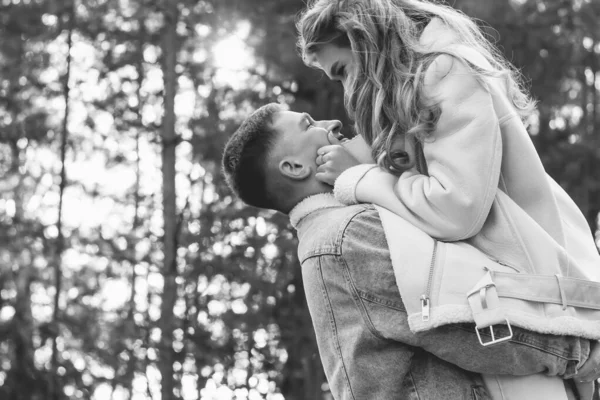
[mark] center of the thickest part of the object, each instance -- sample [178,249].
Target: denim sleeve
[358,365]
[371,279]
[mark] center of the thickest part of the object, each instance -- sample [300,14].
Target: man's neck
[311,204]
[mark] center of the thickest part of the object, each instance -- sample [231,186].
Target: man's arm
[369,272]
[358,364]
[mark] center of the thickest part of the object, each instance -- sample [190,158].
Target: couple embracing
[439,260]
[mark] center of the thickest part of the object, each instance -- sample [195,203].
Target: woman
[443,113]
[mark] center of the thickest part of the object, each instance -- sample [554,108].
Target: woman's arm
[463,158]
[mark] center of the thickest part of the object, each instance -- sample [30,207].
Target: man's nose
[335,127]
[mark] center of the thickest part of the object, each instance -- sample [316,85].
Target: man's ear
[294,169]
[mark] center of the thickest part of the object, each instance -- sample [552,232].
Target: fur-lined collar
[312,204]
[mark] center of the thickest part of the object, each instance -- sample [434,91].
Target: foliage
[239,326]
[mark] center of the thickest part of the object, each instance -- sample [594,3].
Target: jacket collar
[312,204]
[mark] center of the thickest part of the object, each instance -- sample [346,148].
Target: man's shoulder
[329,230]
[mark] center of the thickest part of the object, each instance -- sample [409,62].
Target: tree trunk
[594,90]
[23,366]
[131,366]
[56,387]
[169,142]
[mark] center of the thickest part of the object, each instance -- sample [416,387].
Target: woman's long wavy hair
[383,93]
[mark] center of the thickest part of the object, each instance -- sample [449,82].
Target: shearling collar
[312,204]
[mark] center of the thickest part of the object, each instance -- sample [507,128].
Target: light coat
[486,186]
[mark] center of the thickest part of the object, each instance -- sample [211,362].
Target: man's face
[301,137]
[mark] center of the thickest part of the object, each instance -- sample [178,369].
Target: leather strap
[553,289]
[548,289]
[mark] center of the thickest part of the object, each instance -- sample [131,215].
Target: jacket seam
[414,385]
[334,329]
[376,300]
[503,186]
[507,117]
[336,249]
[490,188]
[365,315]
[516,235]
[355,291]
[342,231]
[320,252]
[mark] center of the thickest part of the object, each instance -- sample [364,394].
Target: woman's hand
[332,161]
[590,371]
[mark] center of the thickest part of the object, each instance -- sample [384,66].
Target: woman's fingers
[324,175]
[329,149]
[590,370]
[319,160]
[331,161]
[323,151]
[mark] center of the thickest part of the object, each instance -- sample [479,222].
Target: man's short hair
[246,158]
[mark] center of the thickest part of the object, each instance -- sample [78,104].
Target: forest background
[127,270]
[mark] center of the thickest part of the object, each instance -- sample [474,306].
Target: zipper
[425,298]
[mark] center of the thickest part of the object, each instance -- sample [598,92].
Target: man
[366,346]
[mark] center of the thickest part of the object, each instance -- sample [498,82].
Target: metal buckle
[494,340]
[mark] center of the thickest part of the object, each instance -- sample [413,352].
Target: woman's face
[337,62]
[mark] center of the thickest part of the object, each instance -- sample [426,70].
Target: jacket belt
[484,298]
[548,289]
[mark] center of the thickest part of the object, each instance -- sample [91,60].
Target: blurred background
[127,270]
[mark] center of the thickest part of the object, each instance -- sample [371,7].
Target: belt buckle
[494,339]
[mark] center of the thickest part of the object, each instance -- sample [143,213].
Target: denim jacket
[365,344]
